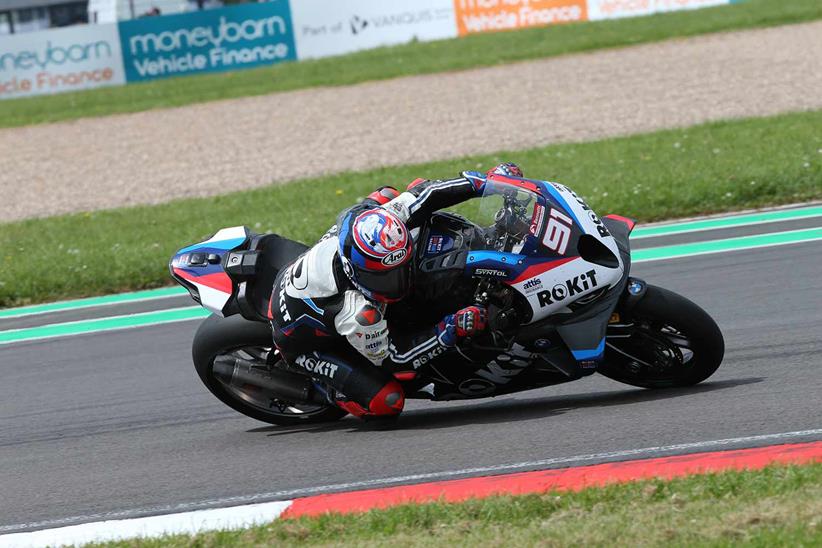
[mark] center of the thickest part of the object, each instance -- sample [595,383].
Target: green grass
[416,58]
[704,169]
[777,506]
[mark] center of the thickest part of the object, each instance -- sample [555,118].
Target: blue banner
[231,38]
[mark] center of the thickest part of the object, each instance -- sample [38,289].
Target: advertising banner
[58,60]
[612,9]
[492,15]
[324,28]
[232,38]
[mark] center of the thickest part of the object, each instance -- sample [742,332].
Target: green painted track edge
[730,244]
[639,233]
[98,325]
[191,313]
[117,298]
[748,219]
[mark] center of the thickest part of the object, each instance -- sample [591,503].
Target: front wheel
[673,342]
[235,338]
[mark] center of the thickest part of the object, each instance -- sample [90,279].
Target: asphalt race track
[118,425]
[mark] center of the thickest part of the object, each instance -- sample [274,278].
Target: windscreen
[510,215]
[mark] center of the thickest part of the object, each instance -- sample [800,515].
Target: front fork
[620,325]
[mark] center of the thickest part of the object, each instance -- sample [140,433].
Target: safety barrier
[251,35]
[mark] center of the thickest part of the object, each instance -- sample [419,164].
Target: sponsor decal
[395,257]
[588,364]
[557,232]
[286,317]
[435,244]
[376,334]
[603,232]
[59,60]
[439,243]
[231,38]
[324,28]
[317,366]
[536,219]
[494,15]
[399,208]
[611,9]
[491,272]
[569,288]
[428,356]
[532,286]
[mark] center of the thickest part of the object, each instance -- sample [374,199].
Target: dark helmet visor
[390,285]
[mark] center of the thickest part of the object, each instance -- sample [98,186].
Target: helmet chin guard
[376,251]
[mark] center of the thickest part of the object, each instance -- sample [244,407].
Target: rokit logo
[317,366]
[569,288]
[428,356]
[603,232]
[286,317]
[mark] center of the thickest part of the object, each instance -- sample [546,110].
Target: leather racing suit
[324,325]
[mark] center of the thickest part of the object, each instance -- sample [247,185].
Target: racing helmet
[509,169]
[375,250]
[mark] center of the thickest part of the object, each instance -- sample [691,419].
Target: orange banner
[491,15]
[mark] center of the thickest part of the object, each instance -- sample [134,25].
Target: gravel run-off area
[218,147]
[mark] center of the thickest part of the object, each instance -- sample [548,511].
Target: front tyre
[673,343]
[234,338]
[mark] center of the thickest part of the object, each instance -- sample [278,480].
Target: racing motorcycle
[554,277]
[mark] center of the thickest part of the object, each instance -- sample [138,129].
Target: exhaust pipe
[288,386]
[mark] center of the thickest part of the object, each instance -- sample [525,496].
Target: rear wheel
[235,338]
[673,343]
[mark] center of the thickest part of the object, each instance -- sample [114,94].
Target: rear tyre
[236,337]
[674,343]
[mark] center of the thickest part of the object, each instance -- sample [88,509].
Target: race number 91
[557,232]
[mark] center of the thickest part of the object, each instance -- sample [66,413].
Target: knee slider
[390,400]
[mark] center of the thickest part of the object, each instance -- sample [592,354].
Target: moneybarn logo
[59,60]
[54,55]
[214,40]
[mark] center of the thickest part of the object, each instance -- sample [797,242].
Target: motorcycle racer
[328,306]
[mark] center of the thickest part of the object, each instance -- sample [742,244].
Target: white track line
[249,510]
[172,524]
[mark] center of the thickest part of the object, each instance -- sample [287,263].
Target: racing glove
[464,323]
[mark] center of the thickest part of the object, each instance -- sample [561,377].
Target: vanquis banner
[237,37]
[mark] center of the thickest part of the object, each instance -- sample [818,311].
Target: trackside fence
[252,35]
